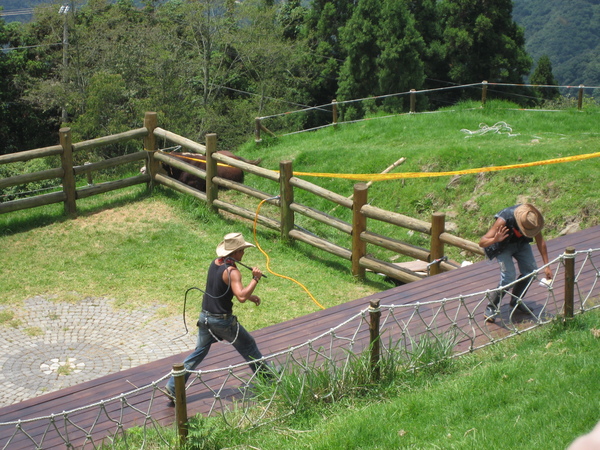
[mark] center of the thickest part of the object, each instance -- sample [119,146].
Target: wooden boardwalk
[274,339]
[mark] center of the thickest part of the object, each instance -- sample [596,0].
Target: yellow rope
[404,175]
[269,259]
[397,176]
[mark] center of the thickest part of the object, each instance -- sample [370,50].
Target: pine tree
[483,42]
[324,21]
[383,52]
[543,75]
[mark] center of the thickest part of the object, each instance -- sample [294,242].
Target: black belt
[217,316]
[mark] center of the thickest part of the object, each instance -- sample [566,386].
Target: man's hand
[501,233]
[257,273]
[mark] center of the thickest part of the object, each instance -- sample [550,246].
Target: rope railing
[405,331]
[331,109]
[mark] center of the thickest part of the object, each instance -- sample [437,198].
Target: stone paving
[50,345]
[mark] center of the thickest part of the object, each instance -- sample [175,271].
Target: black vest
[218,296]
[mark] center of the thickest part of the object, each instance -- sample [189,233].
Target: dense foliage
[214,65]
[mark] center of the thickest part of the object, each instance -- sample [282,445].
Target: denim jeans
[229,330]
[522,253]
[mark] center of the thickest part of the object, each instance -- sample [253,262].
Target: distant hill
[568,32]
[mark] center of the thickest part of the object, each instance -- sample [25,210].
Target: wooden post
[212,190]
[88,174]
[569,282]
[580,98]
[438,225]
[359,224]
[484,93]
[180,403]
[286,193]
[257,127]
[413,100]
[68,180]
[150,123]
[335,112]
[375,339]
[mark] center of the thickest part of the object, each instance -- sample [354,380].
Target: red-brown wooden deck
[474,278]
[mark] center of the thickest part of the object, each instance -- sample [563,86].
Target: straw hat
[529,220]
[231,243]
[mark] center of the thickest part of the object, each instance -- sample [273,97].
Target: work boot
[490,313]
[492,310]
[518,292]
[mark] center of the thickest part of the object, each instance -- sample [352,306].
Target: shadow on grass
[27,220]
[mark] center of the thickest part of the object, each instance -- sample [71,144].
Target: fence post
[180,403]
[374,316]
[150,123]
[484,93]
[569,282]
[257,127]
[580,98]
[335,112]
[359,224]
[286,195]
[88,174]
[68,180]
[438,225]
[212,190]
[413,100]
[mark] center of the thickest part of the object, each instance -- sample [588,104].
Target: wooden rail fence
[358,232]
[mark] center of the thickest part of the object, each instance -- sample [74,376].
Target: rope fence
[403,334]
[330,112]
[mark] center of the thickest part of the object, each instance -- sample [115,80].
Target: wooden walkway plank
[475,278]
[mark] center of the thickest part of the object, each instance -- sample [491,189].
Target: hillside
[568,32]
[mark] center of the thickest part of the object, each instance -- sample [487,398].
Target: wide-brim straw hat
[529,220]
[231,243]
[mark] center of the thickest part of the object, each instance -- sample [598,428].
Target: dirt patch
[128,216]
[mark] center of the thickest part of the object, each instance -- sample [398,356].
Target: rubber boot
[519,290]
[492,309]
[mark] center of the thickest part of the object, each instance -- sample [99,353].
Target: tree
[542,75]
[383,51]
[323,24]
[482,42]
[23,125]
[427,23]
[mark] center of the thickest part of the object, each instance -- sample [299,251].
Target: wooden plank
[110,140]
[30,154]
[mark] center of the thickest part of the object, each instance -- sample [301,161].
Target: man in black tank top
[510,237]
[217,322]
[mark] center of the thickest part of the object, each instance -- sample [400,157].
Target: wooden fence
[287,183]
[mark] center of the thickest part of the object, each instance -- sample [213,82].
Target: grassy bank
[566,193]
[141,249]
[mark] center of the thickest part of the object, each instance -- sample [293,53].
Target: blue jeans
[213,329]
[522,253]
